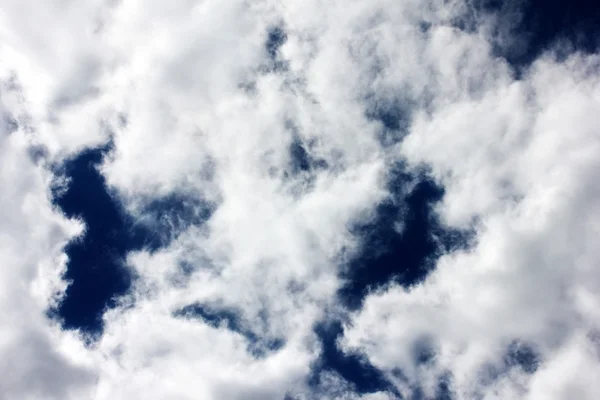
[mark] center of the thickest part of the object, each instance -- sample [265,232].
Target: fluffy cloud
[284,120]
[518,166]
[36,355]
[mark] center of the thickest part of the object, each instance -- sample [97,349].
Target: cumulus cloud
[280,125]
[36,356]
[517,164]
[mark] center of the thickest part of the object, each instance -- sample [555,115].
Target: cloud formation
[253,138]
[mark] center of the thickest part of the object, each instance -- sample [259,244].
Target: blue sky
[299,200]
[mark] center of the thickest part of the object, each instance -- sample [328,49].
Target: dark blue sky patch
[443,390]
[300,161]
[401,243]
[522,356]
[303,168]
[273,63]
[216,318]
[303,164]
[96,269]
[276,37]
[518,355]
[220,317]
[393,115]
[170,215]
[353,368]
[527,28]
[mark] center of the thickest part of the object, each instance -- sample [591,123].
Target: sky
[299,200]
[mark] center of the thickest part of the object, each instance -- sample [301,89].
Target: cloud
[521,170]
[253,138]
[36,355]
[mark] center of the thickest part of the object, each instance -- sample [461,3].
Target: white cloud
[182,92]
[36,355]
[520,162]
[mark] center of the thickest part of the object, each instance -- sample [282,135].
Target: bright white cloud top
[195,105]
